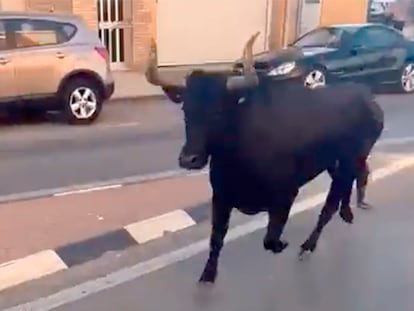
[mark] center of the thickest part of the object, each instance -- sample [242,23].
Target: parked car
[370,53]
[53,61]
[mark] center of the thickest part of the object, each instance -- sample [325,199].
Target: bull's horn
[250,76]
[152,73]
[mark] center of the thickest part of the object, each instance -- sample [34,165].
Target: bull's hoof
[209,275]
[306,249]
[275,247]
[364,205]
[346,214]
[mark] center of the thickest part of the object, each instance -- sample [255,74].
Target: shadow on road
[29,117]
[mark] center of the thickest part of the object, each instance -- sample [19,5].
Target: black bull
[264,143]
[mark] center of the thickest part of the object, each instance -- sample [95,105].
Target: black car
[370,53]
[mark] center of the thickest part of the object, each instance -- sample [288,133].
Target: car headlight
[283,69]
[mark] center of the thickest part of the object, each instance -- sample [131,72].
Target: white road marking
[155,227]
[100,184]
[395,141]
[30,268]
[115,125]
[87,190]
[128,274]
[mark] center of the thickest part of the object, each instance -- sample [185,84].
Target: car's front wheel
[407,78]
[315,78]
[82,101]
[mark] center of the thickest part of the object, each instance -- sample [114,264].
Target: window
[3,41]
[322,37]
[377,37]
[30,33]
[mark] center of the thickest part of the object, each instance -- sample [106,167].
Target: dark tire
[403,84]
[84,94]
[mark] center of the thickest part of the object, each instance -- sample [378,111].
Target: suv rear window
[36,32]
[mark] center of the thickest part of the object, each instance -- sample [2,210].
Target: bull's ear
[174,93]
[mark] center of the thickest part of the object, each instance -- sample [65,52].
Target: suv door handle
[60,55]
[4,61]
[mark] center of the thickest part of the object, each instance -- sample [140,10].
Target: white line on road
[112,125]
[136,179]
[395,141]
[128,274]
[87,190]
[30,268]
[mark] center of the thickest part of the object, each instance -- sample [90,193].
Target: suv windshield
[322,37]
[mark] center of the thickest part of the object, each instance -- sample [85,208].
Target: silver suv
[54,62]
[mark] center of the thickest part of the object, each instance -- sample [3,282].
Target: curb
[47,262]
[143,98]
[96,186]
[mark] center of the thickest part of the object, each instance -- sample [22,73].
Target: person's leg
[362,183]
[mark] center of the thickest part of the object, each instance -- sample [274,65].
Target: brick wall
[144,27]
[58,6]
[87,9]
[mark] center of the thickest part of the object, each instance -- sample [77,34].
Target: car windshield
[322,37]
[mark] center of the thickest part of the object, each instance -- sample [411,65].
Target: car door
[382,50]
[389,48]
[41,62]
[7,73]
[349,63]
[357,56]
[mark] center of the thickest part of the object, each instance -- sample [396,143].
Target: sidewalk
[133,84]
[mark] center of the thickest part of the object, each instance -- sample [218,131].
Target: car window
[377,37]
[31,33]
[321,37]
[3,41]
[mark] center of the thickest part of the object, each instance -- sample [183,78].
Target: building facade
[190,32]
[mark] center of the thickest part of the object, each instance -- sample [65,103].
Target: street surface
[130,139]
[365,266]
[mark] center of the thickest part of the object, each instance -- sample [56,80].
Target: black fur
[266,142]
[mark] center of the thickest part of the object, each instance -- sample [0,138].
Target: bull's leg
[345,210]
[278,216]
[341,183]
[220,225]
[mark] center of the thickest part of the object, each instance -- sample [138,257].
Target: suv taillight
[102,51]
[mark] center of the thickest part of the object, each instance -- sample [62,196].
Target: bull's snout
[192,161]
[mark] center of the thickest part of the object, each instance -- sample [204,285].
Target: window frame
[399,38]
[11,22]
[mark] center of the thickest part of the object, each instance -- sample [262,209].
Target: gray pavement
[130,139]
[363,267]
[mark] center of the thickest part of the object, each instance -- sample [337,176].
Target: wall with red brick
[87,9]
[144,27]
[58,6]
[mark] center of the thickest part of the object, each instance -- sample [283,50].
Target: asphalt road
[130,139]
[366,266]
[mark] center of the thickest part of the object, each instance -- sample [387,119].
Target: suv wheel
[82,101]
